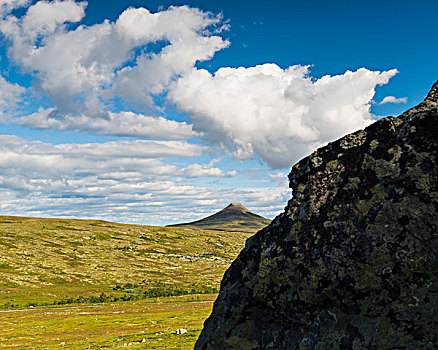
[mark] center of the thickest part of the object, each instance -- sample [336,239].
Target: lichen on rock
[352,263]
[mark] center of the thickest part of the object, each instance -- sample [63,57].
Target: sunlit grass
[145,324]
[80,263]
[44,261]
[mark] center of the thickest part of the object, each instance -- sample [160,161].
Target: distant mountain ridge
[234,217]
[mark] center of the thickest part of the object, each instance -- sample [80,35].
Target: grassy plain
[54,273]
[144,324]
[45,261]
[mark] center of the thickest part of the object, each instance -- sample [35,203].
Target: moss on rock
[352,262]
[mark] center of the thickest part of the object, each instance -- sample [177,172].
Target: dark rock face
[352,262]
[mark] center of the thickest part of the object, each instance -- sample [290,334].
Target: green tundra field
[95,284]
[143,324]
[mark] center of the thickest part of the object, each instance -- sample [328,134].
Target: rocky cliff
[352,262]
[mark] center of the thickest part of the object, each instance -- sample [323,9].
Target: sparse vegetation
[48,261]
[72,275]
[144,324]
[130,292]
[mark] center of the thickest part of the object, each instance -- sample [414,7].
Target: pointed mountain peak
[236,207]
[234,217]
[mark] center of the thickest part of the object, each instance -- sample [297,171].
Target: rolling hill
[44,261]
[234,218]
[88,283]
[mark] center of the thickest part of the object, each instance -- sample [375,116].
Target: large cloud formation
[84,69]
[281,115]
[117,124]
[115,180]
[136,80]
[109,76]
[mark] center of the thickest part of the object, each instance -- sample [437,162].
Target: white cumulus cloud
[83,70]
[128,181]
[117,124]
[393,99]
[10,97]
[36,164]
[206,170]
[279,115]
[6,6]
[89,73]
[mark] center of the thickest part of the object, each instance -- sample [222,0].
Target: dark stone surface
[352,262]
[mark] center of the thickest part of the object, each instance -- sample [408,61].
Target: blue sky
[159,112]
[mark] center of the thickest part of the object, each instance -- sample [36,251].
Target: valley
[81,284]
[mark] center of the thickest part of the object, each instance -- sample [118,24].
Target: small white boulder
[181,331]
